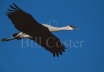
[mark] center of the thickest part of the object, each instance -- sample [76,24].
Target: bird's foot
[5,39]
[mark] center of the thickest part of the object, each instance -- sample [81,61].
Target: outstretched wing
[27,24]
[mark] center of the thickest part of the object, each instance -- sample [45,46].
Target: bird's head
[70,27]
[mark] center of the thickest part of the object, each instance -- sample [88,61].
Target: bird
[32,29]
[20,35]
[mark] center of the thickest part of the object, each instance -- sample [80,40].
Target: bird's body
[50,28]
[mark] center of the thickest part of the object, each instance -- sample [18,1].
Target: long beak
[75,28]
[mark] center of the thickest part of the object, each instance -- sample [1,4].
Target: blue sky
[88,15]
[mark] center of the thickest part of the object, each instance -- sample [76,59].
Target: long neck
[54,29]
[59,29]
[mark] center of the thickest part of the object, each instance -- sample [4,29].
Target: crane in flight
[30,28]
